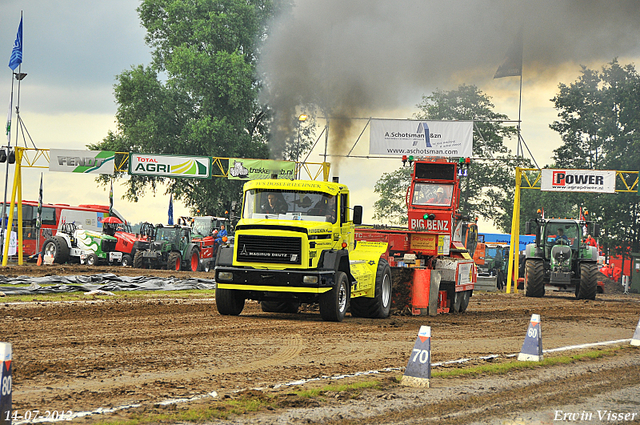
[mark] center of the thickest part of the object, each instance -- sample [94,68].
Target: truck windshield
[432,194]
[289,205]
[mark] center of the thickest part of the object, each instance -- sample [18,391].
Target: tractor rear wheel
[229,302]
[534,278]
[57,247]
[174,261]
[588,282]
[378,307]
[138,260]
[333,304]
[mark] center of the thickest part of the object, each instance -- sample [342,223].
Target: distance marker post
[532,347]
[5,383]
[418,371]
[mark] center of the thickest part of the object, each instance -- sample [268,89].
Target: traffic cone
[39,259]
[532,347]
[636,336]
[5,380]
[418,370]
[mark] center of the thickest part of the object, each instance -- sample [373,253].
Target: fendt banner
[421,138]
[253,169]
[76,161]
[601,181]
[195,167]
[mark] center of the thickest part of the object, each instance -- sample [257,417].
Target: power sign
[601,181]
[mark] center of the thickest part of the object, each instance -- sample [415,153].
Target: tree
[487,191]
[199,96]
[600,129]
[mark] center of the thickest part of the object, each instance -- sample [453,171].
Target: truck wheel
[229,302]
[280,306]
[91,260]
[126,260]
[534,278]
[57,247]
[378,307]
[333,304]
[588,282]
[206,266]
[174,261]
[194,262]
[138,260]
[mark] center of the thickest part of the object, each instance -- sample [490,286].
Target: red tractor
[128,242]
[431,260]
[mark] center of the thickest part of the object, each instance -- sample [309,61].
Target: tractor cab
[561,242]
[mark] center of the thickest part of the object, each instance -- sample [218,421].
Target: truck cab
[295,244]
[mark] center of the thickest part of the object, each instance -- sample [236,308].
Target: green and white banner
[195,167]
[255,169]
[76,161]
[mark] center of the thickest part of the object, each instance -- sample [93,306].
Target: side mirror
[357,214]
[596,229]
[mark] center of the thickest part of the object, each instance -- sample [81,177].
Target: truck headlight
[312,280]
[225,276]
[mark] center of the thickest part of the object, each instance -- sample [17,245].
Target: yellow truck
[295,244]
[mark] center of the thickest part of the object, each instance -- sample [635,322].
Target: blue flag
[170,220]
[16,53]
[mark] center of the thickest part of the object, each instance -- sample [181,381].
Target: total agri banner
[253,169]
[195,167]
[76,161]
[422,138]
[603,181]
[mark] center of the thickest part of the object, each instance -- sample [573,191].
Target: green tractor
[172,249]
[560,258]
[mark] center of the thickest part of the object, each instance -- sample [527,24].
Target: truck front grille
[269,249]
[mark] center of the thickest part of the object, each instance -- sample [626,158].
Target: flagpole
[519,117]
[16,57]
[6,174]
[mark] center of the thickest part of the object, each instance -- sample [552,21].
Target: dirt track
[84,355]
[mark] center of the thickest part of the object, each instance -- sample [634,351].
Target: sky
[359,58]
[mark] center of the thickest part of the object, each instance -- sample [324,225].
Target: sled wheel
[333,304]
[464,303]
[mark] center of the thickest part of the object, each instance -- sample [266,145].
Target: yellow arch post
[514,256]
[17,187]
